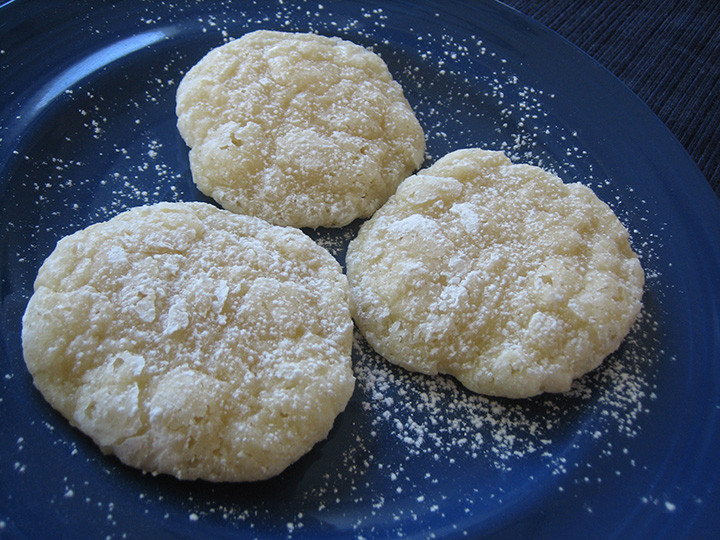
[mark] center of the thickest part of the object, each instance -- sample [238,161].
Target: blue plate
[87,129]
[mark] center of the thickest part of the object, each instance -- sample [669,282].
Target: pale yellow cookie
[299,129]
[498,274]
[192,341]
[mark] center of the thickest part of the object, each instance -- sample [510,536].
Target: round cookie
[192,341]
[498,274]
[298,129]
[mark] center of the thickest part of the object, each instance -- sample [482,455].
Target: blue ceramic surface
[87,129]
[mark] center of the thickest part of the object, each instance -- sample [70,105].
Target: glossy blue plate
[87,129]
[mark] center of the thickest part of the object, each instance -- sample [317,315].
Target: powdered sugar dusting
[401,457]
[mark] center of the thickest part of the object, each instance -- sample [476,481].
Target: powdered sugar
[410,451]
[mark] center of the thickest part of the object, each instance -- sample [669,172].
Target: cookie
[192,341]
[498,274]
[298,129]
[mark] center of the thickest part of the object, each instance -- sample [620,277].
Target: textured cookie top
[192,341]
[299,129]
[496,273]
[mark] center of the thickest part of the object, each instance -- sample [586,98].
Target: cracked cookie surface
[496,273]
[192,341]
[298,129]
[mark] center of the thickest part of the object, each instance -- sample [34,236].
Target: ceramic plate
[87,129]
